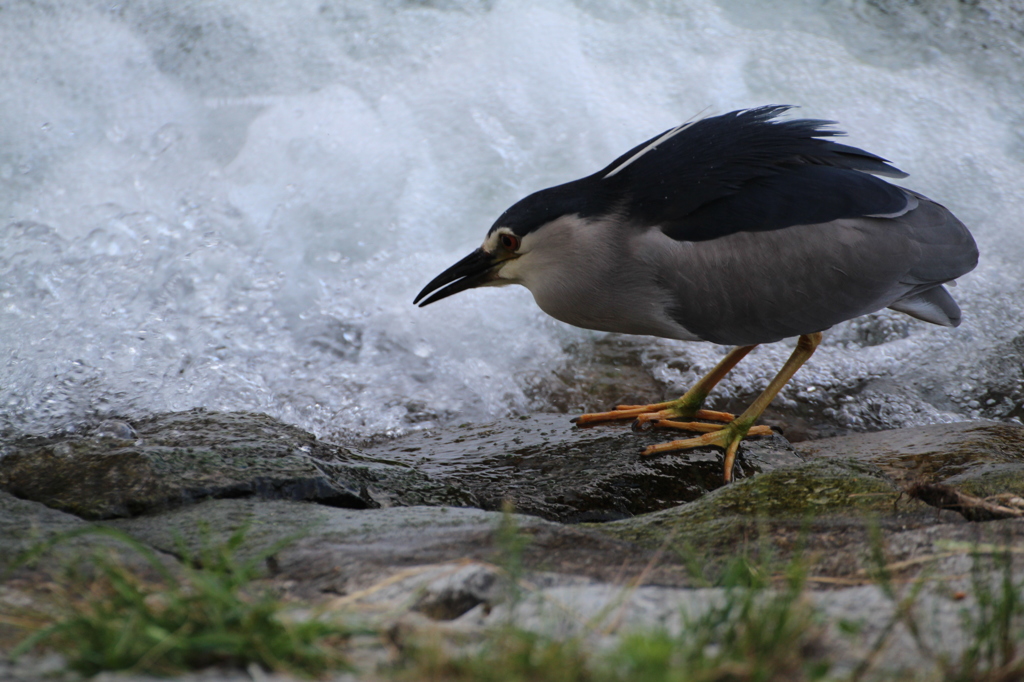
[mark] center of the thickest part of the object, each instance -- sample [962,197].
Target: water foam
[232,207]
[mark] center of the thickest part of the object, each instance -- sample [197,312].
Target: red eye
[509,242]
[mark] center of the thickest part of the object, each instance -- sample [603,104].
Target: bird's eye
[509,242]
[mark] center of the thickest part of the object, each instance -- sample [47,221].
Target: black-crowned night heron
[739,229]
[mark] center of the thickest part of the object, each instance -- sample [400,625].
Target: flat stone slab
[339,551]
[37,546]
[25,525]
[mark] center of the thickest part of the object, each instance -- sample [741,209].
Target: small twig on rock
[970,507]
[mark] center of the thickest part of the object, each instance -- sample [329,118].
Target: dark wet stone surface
[616,369]
[542,465]
[546,467]
[180,458]
[599,375]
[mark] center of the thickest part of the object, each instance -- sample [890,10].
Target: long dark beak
[475,269]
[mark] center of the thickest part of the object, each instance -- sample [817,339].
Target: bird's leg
[686,407]
[730,436]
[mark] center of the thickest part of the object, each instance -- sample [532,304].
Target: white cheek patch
[514,269]
[528,242]
[510,270]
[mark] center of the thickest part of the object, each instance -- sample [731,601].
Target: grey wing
[758,287]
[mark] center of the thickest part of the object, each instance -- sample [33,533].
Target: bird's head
[516,246]
[485,266]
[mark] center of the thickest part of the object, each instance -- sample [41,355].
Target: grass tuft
[112,616]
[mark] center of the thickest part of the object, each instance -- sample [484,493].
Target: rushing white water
[233,205]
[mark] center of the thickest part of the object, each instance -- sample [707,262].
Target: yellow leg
[704,427]
[735,431]
[686,407]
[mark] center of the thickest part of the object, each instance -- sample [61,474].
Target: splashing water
[232,206]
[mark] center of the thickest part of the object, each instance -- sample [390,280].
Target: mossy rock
[801,498]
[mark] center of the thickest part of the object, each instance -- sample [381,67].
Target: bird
[740,229]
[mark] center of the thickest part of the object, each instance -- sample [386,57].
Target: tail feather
[933,305]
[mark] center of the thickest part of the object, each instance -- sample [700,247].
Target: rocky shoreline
[411,528]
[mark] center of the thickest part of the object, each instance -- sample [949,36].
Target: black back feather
[742,171]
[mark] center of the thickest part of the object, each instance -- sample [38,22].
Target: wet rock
[115,429]
[838,513]
[978,458]
[621,369]
[599,375]
[541,464]
[183,457]
[546,467]
[38,546]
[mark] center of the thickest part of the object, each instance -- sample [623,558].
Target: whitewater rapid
[232,206]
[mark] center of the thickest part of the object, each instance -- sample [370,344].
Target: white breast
[584,273]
